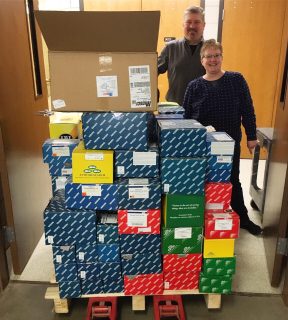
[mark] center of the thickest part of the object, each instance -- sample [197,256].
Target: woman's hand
[251,145]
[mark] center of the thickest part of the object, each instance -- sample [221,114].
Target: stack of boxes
[183,164]
[104,227]
[221,223]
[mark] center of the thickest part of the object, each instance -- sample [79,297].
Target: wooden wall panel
[170,26]
[251,38]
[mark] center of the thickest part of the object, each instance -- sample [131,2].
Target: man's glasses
[211,56]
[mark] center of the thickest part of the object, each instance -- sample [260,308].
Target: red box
[217,196]
[181,281]
[139,221]
[143,284]
[182,262]
[223,225]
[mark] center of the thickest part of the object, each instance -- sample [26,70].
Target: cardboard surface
[81,50]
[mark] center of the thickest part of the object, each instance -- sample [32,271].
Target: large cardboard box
[102,61]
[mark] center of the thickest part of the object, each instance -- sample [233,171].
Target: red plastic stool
[102,307]
[168,306]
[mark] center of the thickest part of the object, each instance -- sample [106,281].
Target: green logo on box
[92,169]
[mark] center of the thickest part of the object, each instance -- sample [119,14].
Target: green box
[215,284]
[183,210]
[182,240]
[219,266]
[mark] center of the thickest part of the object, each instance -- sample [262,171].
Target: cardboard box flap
[100,31]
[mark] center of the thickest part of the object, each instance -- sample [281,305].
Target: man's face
[193,27]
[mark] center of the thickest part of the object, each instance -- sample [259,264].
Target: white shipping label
[223,224]
[50,239]
[60,152]
[138,193]
[140,86]
[138,182]
[81,256]
[107,86]
[224,159]
[137,219]
[66,171]
[120,170]
[166,187]
[166,285]
[60,183]
[91,191]
[183,233]
[144,158]
[58,258]
[148,229]
[83,274]
[101,238]
[58,104]
[94,156]
[221,215]
[214,206]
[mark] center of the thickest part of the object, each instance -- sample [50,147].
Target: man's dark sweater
[182,65]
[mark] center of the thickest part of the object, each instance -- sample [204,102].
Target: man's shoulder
[234,74]
[175,43]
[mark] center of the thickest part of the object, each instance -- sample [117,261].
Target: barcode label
[134,70]
[140,84]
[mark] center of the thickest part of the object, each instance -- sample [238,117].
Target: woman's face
[212,60]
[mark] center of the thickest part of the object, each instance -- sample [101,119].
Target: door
[22,93]
[251,46]
[275,218]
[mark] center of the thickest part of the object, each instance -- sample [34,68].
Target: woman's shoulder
[233,75]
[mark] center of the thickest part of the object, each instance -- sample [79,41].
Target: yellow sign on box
[92,166]
[218,248]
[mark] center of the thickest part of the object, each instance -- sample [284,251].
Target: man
[181,58]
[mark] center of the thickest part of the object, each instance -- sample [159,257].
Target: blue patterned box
[107,228]
[91,286]
[140,243]
[137,164]
[182,138]
[58,154]
[69,289]
[66,272]
[64,226]
[64,254]
[111,286]
[139,194]
[171,110]
[58,183]
[141,263]
[219,162]
[110,270]
[168,116]
[183,175]
[218,175]
[118,131]
[97,196]
[88,271]
[219,143]
[87,252]
[108,252]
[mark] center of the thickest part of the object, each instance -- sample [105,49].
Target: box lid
[100,31]
[180,124]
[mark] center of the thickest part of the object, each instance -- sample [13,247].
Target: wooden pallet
[213,301]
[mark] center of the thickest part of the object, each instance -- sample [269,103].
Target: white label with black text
[107,86]
[120,170]
[91,191]
[60,152]
[223,224]
[138,219]
[183,233]
[138,193]
[94,156]
[144,158]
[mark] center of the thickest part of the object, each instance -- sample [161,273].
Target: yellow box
[218,248]
[65,126]
[92,166]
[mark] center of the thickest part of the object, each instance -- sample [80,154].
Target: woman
[222,99]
